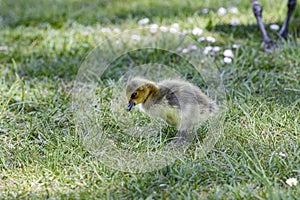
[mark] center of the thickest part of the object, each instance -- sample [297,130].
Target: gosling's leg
[284,29]
[181,136]
[184,137]
[257,10]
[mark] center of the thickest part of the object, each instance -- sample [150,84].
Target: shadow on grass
[31,13]
[66,64]
[251,31]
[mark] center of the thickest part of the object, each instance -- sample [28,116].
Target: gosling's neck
[151,97]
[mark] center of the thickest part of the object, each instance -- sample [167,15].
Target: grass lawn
[44,43]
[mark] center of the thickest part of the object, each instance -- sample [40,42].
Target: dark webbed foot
[283,33]
[270,45]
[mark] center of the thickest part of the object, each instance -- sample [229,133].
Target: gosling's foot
[184,138]
[180,141]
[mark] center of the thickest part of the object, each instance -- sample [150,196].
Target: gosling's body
[178,102]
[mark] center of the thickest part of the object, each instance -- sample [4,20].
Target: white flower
[282,154]
[227,60]
[291,182]
[210,39]
[163,29]
[216,48]
[143,21]
[153,28]
[174,28]
[192,47]
[179,49]
[116,30]
[200,39]
[205,10]
[228,53]
[234,10]
[136,37]
[197,31]
[234,22]
[85,33]
[105,30]
[222,11]
[207,49]
[185,50]
[175,25]
[3,48]
[184,32]
[205,52]
[274,27]
[235,46]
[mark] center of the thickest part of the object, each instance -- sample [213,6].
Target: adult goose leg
[291,7]
[257,10]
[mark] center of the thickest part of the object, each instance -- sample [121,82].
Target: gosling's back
[179,103]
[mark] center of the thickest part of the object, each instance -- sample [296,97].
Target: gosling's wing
[182,94]
[166,96]
[177,94]
[192,99]
[172,99]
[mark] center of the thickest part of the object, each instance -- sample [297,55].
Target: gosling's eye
[134,95]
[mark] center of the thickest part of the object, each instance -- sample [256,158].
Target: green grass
[43,43]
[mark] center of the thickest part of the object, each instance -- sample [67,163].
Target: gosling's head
[138,91]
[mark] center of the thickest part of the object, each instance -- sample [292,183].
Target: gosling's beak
[130,105]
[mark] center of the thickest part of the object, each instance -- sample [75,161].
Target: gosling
[178,102]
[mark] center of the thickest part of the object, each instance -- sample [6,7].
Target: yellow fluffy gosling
[178,102]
